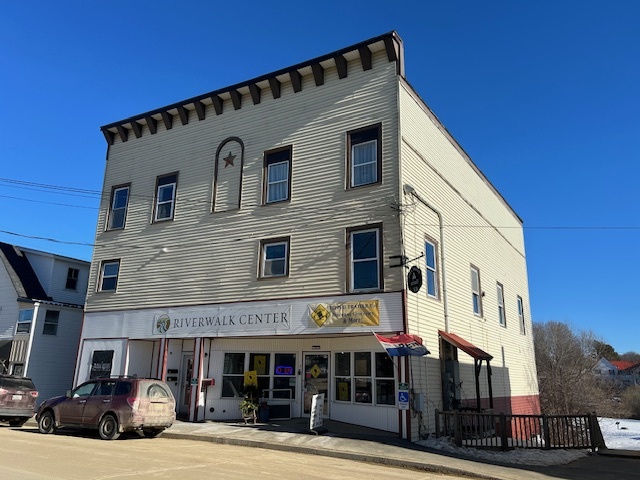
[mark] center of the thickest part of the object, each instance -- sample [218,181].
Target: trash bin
[263,413]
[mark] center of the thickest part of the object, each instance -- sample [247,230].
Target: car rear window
[15,383]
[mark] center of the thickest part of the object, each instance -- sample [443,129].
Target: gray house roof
[21,272]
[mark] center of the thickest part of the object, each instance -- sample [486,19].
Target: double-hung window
[364,156]
[365,253]
[24,321]
[109,271]
[72,279]
[118,207]
[476,294]
[277,166]
[274,258]
[165,197]
[430,249]
[521,315]
[502,318]
[51,319]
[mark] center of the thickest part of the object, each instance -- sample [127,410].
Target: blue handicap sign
[403,397]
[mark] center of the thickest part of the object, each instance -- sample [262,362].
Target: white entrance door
[316,380]
[186,374]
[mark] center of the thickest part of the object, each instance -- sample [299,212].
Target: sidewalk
[352,442]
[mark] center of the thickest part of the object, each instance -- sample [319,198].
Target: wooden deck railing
[507,431]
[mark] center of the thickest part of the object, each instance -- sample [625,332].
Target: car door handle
[81,401]
[106,400]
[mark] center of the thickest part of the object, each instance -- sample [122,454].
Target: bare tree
[631,357]
[565,359]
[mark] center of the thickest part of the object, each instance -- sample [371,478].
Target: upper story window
[118,207]
[365,253]
[364,156]
[109,271]
[51,319]
[165,197]
[476,293]
[521,315]
[72,279]
[430,249]
[502,318]
[24,321]
[274,255]
[277,166]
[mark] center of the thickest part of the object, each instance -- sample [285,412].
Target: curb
[360,457]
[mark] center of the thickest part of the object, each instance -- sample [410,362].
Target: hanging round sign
[414,279]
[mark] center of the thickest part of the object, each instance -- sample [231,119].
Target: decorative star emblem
[228,160]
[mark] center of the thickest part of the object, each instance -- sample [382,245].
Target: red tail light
[34,394]
[133,402]
[3,391]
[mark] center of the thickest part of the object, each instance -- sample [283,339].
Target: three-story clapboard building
[270,227]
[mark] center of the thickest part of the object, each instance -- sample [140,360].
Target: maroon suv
[17,399]
[112,406]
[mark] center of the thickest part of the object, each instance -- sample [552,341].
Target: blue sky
[544,96]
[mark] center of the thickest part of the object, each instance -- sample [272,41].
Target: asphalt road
[26,454]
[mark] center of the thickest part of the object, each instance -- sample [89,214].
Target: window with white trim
[430,249]
[521,315]
[276,372]
[118,207]
[476,293]
[51,319]
[109,271]
[502,317]
[365,259]
[274,258]
[364,154]
[166,186]
[25,317]
[277,175]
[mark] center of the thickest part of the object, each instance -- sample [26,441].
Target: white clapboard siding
[202,257]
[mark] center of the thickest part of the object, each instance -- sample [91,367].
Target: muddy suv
[17,399]
[112,406]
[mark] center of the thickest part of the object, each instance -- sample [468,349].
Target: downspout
[409,190]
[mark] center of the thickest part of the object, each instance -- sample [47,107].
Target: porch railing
[507,431]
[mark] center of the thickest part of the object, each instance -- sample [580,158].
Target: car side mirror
[68,394]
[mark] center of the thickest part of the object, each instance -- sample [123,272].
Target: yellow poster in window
[363,313]
[250,379]
[260,364]
[343,391]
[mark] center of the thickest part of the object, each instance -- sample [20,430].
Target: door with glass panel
[316,380]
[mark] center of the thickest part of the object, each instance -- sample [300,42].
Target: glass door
[186,375]
[316,379]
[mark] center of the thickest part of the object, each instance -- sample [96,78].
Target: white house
[41,301]
[272,226]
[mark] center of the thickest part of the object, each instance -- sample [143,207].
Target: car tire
[108,428]
[152,432]
[18,423]
[47,423]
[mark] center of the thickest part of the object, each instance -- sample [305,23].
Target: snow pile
[620,434]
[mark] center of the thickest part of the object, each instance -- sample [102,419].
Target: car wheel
[18,423]
[108,428]
[46,423]
[152,432]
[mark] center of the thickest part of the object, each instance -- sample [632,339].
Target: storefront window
[362,370]
[233,375]
[343,376]
[260,363]
[385,387]
[284,375]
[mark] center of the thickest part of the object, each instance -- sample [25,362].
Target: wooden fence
[506,431]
